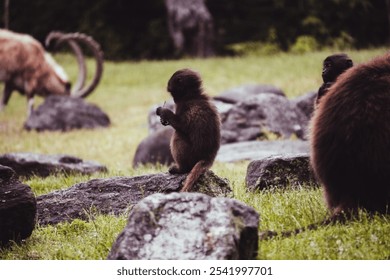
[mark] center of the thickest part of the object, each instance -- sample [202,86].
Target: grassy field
[126,93]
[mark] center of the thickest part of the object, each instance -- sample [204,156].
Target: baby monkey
[196,139]
[333,66]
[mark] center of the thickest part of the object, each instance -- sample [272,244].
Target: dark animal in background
[333,66]
[196,140]
[350,144]
[350,139]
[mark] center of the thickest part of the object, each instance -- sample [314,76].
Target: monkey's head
[185,84]
[334,65]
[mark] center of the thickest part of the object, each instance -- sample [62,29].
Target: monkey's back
[201,138]
[350,138]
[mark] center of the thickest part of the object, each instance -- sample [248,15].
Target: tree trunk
[388,19]
[6,14]
[190,27]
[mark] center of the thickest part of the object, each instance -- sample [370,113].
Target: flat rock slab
[240,93]
[254,150]
[280,172]
[63,113]
[29,164]
[188,226]
[18,208]
[118,195]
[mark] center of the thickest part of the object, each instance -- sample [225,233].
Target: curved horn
[59,38]
[96,51]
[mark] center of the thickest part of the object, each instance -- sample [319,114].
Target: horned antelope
[25,66]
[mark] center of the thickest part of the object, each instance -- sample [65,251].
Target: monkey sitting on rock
[196,139]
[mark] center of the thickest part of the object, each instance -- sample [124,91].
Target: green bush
[305,44]
[343,42]
[254,48]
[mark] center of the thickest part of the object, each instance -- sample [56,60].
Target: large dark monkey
[350,143]
[333,66]
[196,140]
[350,139]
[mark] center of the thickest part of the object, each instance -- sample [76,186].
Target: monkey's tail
[341,218]
[200,168]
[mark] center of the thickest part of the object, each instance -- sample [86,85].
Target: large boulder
[118,195]
[29,164]
[256,116]
[240,93]
[251,112]
[155,148]
[63,113]
[188,226]
[18,208]
[254,150]
[280,172]
[306,103]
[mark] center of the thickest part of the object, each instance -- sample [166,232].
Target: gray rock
[18,208]
[118,195]
[306,103]
[223,109]
[29,164]
[188,226]
[254,150]
[254,117]
[239,94]
[155,148]
[65,113]
[280,172]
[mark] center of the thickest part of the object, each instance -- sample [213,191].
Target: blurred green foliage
[138,29]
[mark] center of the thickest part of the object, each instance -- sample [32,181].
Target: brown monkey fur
[333,66]
[350,144]
[350,139]
[196,140]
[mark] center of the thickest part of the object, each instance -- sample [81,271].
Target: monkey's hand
[163,113]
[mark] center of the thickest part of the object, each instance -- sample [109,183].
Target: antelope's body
[25,66]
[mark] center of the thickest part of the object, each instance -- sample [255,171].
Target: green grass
[126,93]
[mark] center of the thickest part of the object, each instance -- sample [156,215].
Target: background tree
[6,14]
[141,29]
[190,27]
